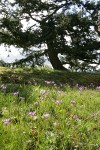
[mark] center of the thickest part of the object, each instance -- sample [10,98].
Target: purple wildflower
[81,88]
[48,82]
[16,93]
[92,85]
[7,121]
[3,87]
[98,88]
[58,102]
[94,114]
[75,117]
[43,91]
[32,113]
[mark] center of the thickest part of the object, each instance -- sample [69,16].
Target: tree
[2,63]
[52,23]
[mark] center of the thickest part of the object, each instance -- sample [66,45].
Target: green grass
[43,109]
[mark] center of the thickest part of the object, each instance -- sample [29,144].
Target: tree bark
[56,63]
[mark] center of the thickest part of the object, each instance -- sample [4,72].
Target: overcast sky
[9,56]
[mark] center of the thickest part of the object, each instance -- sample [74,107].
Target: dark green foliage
[2,63]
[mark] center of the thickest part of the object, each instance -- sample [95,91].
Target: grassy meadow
[44,109]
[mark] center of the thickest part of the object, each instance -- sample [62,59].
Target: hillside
[43,109]
[27,75]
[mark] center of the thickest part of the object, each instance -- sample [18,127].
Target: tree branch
[30,57]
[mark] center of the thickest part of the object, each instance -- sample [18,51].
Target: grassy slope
[47,115]
[26,74]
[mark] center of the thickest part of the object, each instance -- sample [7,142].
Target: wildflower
[24,132]
[29,82]
[81,88]
[36,103]
[3,87]
[94,114]
[7,121]
[55,123]
[48,82]
[29,141]
[32,113]
[34,82]
[98,88]
[73,102]
[55,84]
[58,101]
[42,91]
[75,117]
[60,92]
[92,85]
[22,98]
[16,93]
[61,85]
[46,115]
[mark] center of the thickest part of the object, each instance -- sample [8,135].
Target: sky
[9,56]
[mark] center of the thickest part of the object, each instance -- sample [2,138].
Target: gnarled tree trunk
[54,60]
